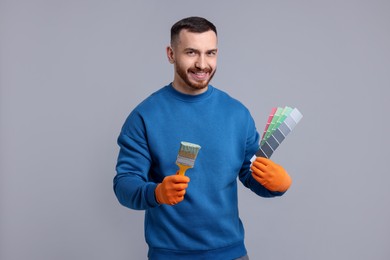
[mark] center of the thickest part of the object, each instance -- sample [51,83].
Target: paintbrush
[186,156]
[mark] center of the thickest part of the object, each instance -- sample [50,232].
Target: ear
[170,55]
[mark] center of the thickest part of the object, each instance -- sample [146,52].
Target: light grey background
[71,71]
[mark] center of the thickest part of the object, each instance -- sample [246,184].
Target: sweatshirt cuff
[150,195]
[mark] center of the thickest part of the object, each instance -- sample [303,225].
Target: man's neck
[188,90]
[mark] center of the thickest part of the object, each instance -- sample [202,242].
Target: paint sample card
[270,117]
[280,123]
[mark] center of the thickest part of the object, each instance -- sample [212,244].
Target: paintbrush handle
[182,169]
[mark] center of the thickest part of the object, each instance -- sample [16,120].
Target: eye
[190,53]
[212,53]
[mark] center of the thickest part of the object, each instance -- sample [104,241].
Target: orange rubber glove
[271,175]
[171,191]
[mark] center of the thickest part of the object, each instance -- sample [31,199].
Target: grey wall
[71,71]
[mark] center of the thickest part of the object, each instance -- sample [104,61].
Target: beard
[183,73]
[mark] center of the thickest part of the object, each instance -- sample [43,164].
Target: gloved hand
[171,191]
[271,175]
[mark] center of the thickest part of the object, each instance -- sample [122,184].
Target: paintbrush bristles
[187,154]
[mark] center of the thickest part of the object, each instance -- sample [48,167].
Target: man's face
[195,58]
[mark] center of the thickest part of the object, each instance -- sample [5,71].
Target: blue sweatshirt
[206,224]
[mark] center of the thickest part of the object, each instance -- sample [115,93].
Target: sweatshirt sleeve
[131,183]
[245,175]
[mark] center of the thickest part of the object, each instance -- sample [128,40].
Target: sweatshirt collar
[187,97]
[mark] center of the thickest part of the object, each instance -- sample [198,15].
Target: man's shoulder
[152,98]
[226,97]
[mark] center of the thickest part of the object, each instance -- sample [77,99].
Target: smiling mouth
[200,75]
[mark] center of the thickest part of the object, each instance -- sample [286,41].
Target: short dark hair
[193,24]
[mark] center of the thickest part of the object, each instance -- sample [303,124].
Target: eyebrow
[197,51]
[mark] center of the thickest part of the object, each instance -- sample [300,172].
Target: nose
[201,62]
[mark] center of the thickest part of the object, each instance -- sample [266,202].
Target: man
[195,219]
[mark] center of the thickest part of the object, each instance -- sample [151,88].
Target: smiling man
[197,219]
[194,56]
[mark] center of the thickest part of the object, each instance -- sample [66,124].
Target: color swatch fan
[281,122]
